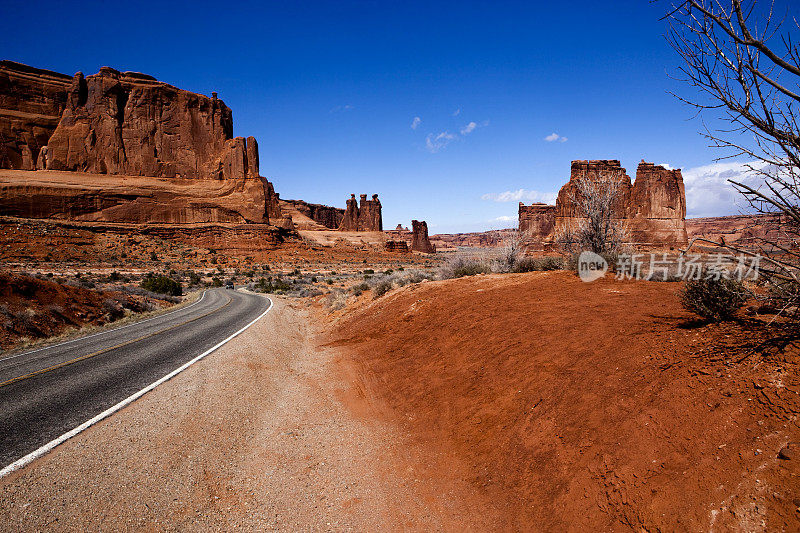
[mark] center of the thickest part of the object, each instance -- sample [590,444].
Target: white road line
[19,463]
[104,332]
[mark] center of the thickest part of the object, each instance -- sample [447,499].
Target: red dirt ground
[583,407]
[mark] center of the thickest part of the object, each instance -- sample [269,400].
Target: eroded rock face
[365,216]
[396,246]
[130,125]
[536,222]
[653,208]
[31,103]
[419,238]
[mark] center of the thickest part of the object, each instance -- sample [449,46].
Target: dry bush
[462,265]
[713,299]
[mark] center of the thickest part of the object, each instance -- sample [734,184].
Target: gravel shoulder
[259,435]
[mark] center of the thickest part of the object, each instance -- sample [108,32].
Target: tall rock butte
[127,124]
[419,239]
[652,208]
[363,216]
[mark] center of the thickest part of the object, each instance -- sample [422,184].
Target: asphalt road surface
[49,391]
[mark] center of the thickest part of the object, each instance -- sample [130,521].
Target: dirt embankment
[583,406]
[33,308]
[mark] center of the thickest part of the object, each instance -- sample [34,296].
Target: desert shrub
[713,299]
[272,286]
[382,287]
[216,282]
[162,285]
[336,300]
[533,264]
[416,276]
[360,288]
[460,266]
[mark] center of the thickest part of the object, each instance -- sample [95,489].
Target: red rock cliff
[126,124]
[31,103]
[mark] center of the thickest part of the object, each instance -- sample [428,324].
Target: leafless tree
[597,226]
[513,249]
[743,60]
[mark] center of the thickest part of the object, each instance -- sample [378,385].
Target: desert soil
[256,436]
[586,406]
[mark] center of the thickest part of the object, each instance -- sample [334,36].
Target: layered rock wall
[131,124]
[31,103]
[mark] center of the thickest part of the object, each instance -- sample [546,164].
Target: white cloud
[469,128]
[435,142]
[555,137]
[666,165]
[504,218]
[415,123]
[341,108]
[522,194]
[457,112]
[710,194]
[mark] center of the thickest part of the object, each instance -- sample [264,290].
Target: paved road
[47,392]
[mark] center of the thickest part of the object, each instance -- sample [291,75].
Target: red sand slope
[583,406]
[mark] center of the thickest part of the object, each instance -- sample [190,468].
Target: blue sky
[506,94]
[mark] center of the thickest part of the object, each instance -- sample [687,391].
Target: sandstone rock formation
[131,124]
[365,216]
[396,246]
[400,228]
[536,223]
[31,103]
[653,208]
[419,239]
[128,125]
[130,199]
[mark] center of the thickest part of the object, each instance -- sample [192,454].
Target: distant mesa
[653,207]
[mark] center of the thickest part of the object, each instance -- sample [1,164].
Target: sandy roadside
[252,437]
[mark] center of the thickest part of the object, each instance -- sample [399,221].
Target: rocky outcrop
[31,103]
[419,239]
[653,208]
[365,216]
[128,125]
[396,246]
[131,124]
